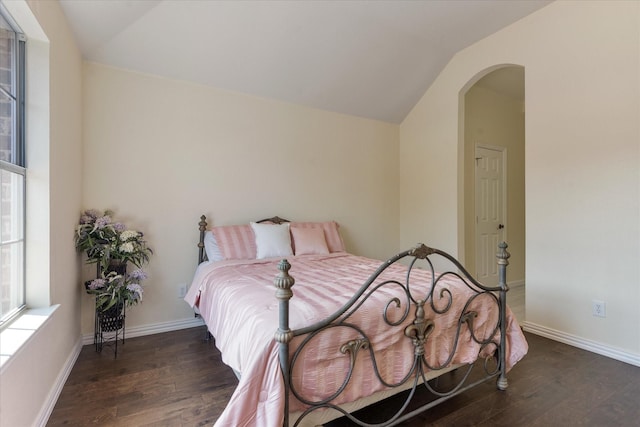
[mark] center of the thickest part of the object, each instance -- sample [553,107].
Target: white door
[490,210]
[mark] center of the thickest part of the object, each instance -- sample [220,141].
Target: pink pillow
[331,233]
[235,241]
[309,241]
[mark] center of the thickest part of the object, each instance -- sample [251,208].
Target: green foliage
[104,240]
[106,243]
[112,288]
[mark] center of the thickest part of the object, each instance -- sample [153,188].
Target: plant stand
[109,328]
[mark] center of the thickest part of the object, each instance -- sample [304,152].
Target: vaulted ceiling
[372,59]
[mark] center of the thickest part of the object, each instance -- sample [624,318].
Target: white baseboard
[54,393]
[516,283]
[156,328]
[583,343]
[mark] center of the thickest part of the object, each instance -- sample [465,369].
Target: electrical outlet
[599,308]
[182,290]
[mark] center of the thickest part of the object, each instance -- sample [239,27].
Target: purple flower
[92,213]
[134,287]
[136,290]
[86,219]
[138,274]
[103,221]
[119,227]
[97,284]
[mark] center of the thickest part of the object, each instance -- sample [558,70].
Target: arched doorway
[492,162]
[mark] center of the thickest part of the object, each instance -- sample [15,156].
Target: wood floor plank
[176,379]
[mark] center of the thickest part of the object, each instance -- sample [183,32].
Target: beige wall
[162,152]
[496,120]
[54,190]
[582,162]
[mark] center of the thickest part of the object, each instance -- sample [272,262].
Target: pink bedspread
[237,301]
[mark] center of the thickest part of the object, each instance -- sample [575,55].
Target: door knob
[500,226]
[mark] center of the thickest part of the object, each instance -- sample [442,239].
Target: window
[12,168]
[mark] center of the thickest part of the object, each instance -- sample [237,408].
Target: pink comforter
[237,301]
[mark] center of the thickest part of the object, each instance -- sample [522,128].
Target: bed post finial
[284,282]
[503,255]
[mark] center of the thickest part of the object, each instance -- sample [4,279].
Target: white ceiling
[371,59]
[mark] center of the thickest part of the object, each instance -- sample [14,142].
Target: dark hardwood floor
[177,379]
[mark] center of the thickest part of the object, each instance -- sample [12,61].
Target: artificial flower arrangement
[105,241]
[111,246]
[113,288]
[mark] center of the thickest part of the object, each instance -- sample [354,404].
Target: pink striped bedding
[236,300]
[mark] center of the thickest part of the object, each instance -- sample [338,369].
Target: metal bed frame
[418,331]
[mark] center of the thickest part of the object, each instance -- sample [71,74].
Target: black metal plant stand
[109,328]
[110,324]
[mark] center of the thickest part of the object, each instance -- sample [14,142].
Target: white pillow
[272,240]
[211,247]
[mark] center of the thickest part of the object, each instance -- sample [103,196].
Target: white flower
[127,247]
[129,235]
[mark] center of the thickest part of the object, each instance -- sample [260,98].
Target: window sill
[21,330]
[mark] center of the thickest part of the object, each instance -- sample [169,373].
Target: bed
[315,333]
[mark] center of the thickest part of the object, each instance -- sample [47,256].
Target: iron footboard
[415,324]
